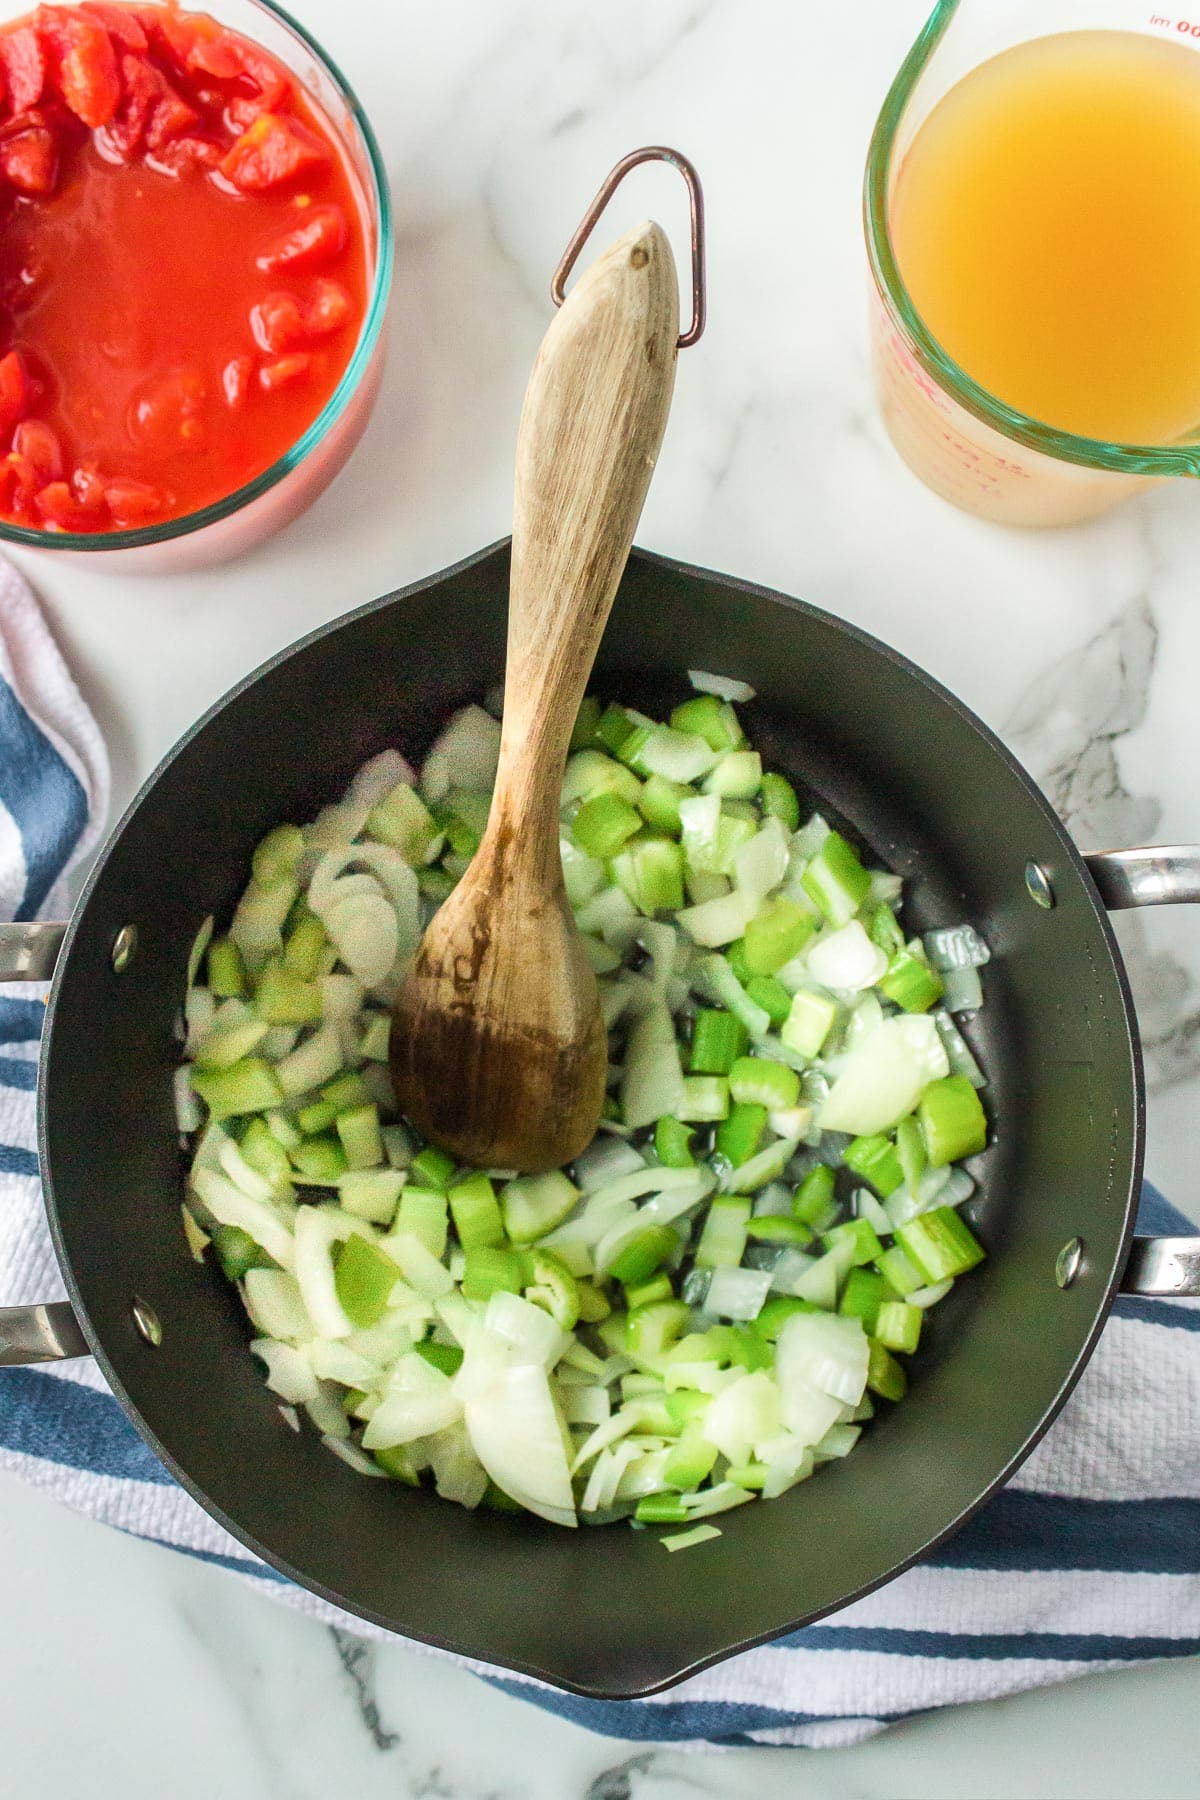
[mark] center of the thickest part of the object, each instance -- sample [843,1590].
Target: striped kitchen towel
[1089,1559]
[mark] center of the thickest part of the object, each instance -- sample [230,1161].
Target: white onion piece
[518,1435]
[189,1114]
[357,1459]
[602,1161]
[363,928]
[378,777]
[289,1373]
[742,1415]
[717,922]
[760,865]
[725,687]
[458,1473]
[880,1081]
[242,1175]
[200,943]
[847,959]
[826,1351]
[318,1229]
[652,1085]
[313,1063]
[465,754]
[417,1401]
[230,1206]
[274,1302]
[325,1411]
[199,1011]
[333,1360]
[737,1293]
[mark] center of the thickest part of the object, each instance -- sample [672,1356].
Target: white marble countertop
[131,1672]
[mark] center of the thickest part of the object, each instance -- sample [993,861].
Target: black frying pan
[932,794]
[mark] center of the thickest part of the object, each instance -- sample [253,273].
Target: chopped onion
[737,1293]
[725,687]
[847,959]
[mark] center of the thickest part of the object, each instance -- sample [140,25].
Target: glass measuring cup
[964,442]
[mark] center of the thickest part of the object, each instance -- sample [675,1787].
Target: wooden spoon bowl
[499,1051]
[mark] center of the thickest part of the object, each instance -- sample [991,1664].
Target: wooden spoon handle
[593,420]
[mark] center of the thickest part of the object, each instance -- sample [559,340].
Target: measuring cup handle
[47,1332]
[1156,875]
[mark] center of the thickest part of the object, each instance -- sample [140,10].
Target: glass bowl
[253,512]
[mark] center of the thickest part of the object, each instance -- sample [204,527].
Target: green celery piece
[476,1213]
[277,856]
[777,1228]
[226,972]
[364,1277]
[446,1357]
[431,1167]
[813,1200]
[776,933]
[685,1408]
[263,1151]
[690,1462]
[898,1326]
[650,1330]
[551,1285]
[237,1251]
[590,772]
[281,998]
[861,1234]
[462,837]
[723,1240]
[911,983]
[710,718]
[940,1244]
[779,801]
[404,821]
[532,1205]
[706,1098]
[633,746]
[586,721]
[647,1292]
[910,1150]
[738,1135]
[751,1476]
[885,1376]
[862,1297]
[603,824]
[759,1080]
[248,1086]
[718,1040]
[593,1307]
[662,1509]
[352,1399]
[835,880]
[422,1213]
[738,1346]
[375,1042]
[776,1312]
[612,728]
[321,1158]
[771,995]
[899,1271]
[371,1194]
[358,1129]
[875,1159]
[398,1464]
[346,1090]
[302,950]
[673,1144]
[651,872]
[472,807]
[643,1254]
[659,800]
[738,776]
[885,931]
[953,1122]
[735,956]
[808,1022]
[490,1270]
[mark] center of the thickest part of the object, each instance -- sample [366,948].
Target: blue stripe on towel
[1018,1531]
[61,1422]
[21,1021]
[14,1160]
[721,1721]
[1053,1646]
[17,1072]
[43,796]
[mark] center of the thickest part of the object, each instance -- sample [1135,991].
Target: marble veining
[134,1672]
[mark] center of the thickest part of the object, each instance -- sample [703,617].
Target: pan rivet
[147,1321]
[1066,1263]
[124,946]
[1038,883]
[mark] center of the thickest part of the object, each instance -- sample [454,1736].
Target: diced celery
[813,1203]
[862,1296]
[422,1213]
[910,1151]
[885,1376]
[613,726]
[899,1271]
[723,1240]
[476,1213]
[284,998]
[404,821]
[277,857]
[952,1120]
[534,1204]
[550,1284]
[659,801]
[885,931]
[779,801]
[586,721]
[705,1099]
[432,1167]
[650,1330]
[710,718]
[738,1134]
[237,1251]
[911,983]
[673,1144]
[650,871]
[809,1021]
[321,1158]
[718,1040]
[364,1277]
[303,946]
[875,1159]
[248,1086]
[690,1462]
[771,995]
[643,1254]
[836,880]
[897,1325]
[226,973]
[263,1151]
[371,1194]
[738,776]
[759,1081]
[358,1129]
[603,824]
[861,1235]
[776,1228]
[647,1292]
[229,1045]
[776,1312]
[776,933]
[663,1509]
[940,1244]
[446,1357]
[718,979]
[590,772]
[490,1270]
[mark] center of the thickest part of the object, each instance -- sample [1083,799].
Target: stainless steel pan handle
[47,1333]
[1161,875]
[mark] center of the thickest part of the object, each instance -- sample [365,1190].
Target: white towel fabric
[1089,1560]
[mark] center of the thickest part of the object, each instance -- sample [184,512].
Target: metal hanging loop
[650,153]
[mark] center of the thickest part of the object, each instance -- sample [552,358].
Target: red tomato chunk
[183,265]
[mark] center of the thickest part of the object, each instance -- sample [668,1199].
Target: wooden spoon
[499,1051]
